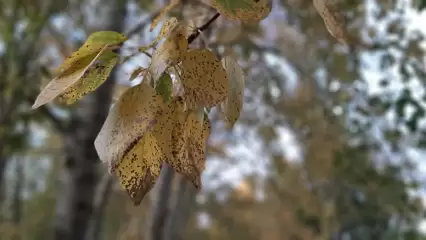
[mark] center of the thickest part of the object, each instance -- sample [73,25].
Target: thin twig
[196,33]
[136,29]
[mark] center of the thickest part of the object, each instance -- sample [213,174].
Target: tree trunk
[17,191]
[80,176]
[3,161]
[161,203]
[179,217]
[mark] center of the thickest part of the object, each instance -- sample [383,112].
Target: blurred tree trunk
[80,177]
[179,217]
[161,203]
[2,189]
[17,191]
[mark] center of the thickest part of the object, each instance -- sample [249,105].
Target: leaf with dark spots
[131,117]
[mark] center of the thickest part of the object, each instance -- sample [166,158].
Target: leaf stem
[195,34]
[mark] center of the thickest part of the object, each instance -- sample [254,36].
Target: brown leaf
[334,20]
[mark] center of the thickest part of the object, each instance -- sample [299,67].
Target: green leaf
[244,10]
[94,77]
[164,87]
[236,84]
[106,38]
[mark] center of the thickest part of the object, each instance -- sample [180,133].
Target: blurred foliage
[355,177]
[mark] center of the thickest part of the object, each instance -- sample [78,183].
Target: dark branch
[194,35]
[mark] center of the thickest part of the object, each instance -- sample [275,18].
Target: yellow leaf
[92,78]
[249,11]
[189,139]
[119,90]
[204,79]
[170,6]
[94,43]
[140,168]
[62,82]
[130,118]
[170,52]
[236,79]
[333,19]
[141,165]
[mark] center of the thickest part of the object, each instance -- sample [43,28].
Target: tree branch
[142,24]
[197,32]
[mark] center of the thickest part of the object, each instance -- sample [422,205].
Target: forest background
[329,143]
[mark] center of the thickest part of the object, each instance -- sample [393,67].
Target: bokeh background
[330,142]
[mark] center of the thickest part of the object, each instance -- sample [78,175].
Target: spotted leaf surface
[236,80]
[140,167]
[132,116]
[244,10]
[168,53]
[189,139]
[204,79]
[94,76]
[94,43]
[62,82]
[170,6]
[333,18]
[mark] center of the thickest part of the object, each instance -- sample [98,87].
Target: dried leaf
[136,73]
[92,78]
[204,79]
[130,118]
[333,18]
[164,87]
[167,54]
[236,79]
[67,79]
[170,27]
[189,139]
[249,11]
[170,6]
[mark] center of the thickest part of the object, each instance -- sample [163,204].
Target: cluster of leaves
[151,123]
